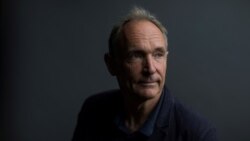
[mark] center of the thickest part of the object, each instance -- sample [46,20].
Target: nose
[149,65]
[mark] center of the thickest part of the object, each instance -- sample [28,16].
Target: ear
[110,63]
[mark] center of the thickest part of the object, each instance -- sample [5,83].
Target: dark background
[52,59]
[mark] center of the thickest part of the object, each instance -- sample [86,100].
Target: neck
[137,111]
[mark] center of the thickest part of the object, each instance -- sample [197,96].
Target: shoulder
[99,109]
[188,116]
[101,100]
[193,124]
[103,97]
[96,115]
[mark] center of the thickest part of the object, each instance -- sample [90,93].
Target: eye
[159,54]
[134,56]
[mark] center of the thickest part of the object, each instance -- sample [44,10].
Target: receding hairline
[136,26]
[136,14]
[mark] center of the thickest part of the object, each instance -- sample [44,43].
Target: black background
[52,59]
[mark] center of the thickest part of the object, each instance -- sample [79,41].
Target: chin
[147,93]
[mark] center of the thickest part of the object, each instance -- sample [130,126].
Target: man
[142,109]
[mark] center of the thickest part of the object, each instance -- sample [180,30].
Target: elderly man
[142,109]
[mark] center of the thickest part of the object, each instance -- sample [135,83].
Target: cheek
[133,69]
[131,72]
[162,69]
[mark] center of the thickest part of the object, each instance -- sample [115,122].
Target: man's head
[138,54]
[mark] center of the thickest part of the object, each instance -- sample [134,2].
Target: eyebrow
[161,49]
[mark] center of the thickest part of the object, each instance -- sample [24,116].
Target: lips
[148,82]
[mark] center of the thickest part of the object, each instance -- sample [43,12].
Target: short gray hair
[137,13]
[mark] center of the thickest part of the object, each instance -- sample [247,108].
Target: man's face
[143,60]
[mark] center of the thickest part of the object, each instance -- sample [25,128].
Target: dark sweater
[175,122]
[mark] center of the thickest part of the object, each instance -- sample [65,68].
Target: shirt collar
[148,127]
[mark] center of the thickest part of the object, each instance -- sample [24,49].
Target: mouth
[148,83]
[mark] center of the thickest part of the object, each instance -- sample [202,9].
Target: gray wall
[53,59]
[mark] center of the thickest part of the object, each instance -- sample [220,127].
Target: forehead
[142,32]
